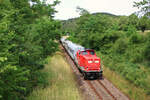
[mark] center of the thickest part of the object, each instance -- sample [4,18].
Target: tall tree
[133,20]
[144,6]
[144,23]
[27,35]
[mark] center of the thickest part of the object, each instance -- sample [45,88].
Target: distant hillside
[70,24]
[105,13]
[98,13]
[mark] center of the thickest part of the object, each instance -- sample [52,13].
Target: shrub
[121,45]
[136,38]
[131,30]
[147,51]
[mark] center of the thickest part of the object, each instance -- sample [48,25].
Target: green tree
[90,25]
[133,20]
[144,23]
[144,6]
[147,49]
[123,23]
[28,35]
[82,11]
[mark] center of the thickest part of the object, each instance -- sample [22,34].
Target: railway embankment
[132,91]
[63,77]
[62,85]
[97,89]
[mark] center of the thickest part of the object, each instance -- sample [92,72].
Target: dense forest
[122,42]
[27,36]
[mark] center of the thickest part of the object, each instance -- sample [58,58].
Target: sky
[67,8]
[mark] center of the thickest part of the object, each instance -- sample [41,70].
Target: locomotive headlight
[89,61]
[96,61]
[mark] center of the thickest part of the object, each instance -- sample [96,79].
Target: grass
[62,85]
[133,92]
[145,32]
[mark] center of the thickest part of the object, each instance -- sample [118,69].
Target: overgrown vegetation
[62,85]
[134,92]
[116,38]
[27,34]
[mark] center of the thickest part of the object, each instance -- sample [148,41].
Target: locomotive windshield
[88,53]
[84,53]
[92,52]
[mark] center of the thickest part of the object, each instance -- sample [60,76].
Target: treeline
[141,23]
[27,36]
[119,42]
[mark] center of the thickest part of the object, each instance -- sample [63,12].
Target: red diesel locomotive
[86,60]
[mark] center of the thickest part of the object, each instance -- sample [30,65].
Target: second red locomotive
[86,60]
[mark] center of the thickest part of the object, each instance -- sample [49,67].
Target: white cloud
[119,7]
[67,8]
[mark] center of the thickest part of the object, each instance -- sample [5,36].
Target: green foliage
[90,27]
[144,23]
[82,11]
[128,70]
[144,6]
[147,49]
[133,20]
[28,35]
[123,23]
[136,38]
[68,26]
[121,46]
[131,30]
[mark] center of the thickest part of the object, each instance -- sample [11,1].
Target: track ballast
[94,89]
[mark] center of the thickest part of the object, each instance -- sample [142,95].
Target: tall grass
[133,92]
[114,71]
[62,85]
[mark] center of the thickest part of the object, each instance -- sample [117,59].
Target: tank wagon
[86,60]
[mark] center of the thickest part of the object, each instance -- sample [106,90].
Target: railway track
[94,89]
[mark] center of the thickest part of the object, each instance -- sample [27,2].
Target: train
[86,60]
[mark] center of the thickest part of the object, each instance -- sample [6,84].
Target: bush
[121,45]
[147,51]
[136,38]
[131,30]
[27,39]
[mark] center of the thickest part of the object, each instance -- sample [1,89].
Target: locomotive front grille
[93,68]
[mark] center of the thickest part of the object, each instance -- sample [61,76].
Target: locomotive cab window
[92,53]
[79,53]
[84,53]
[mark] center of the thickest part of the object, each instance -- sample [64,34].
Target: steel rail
[88,82]
[107,90]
